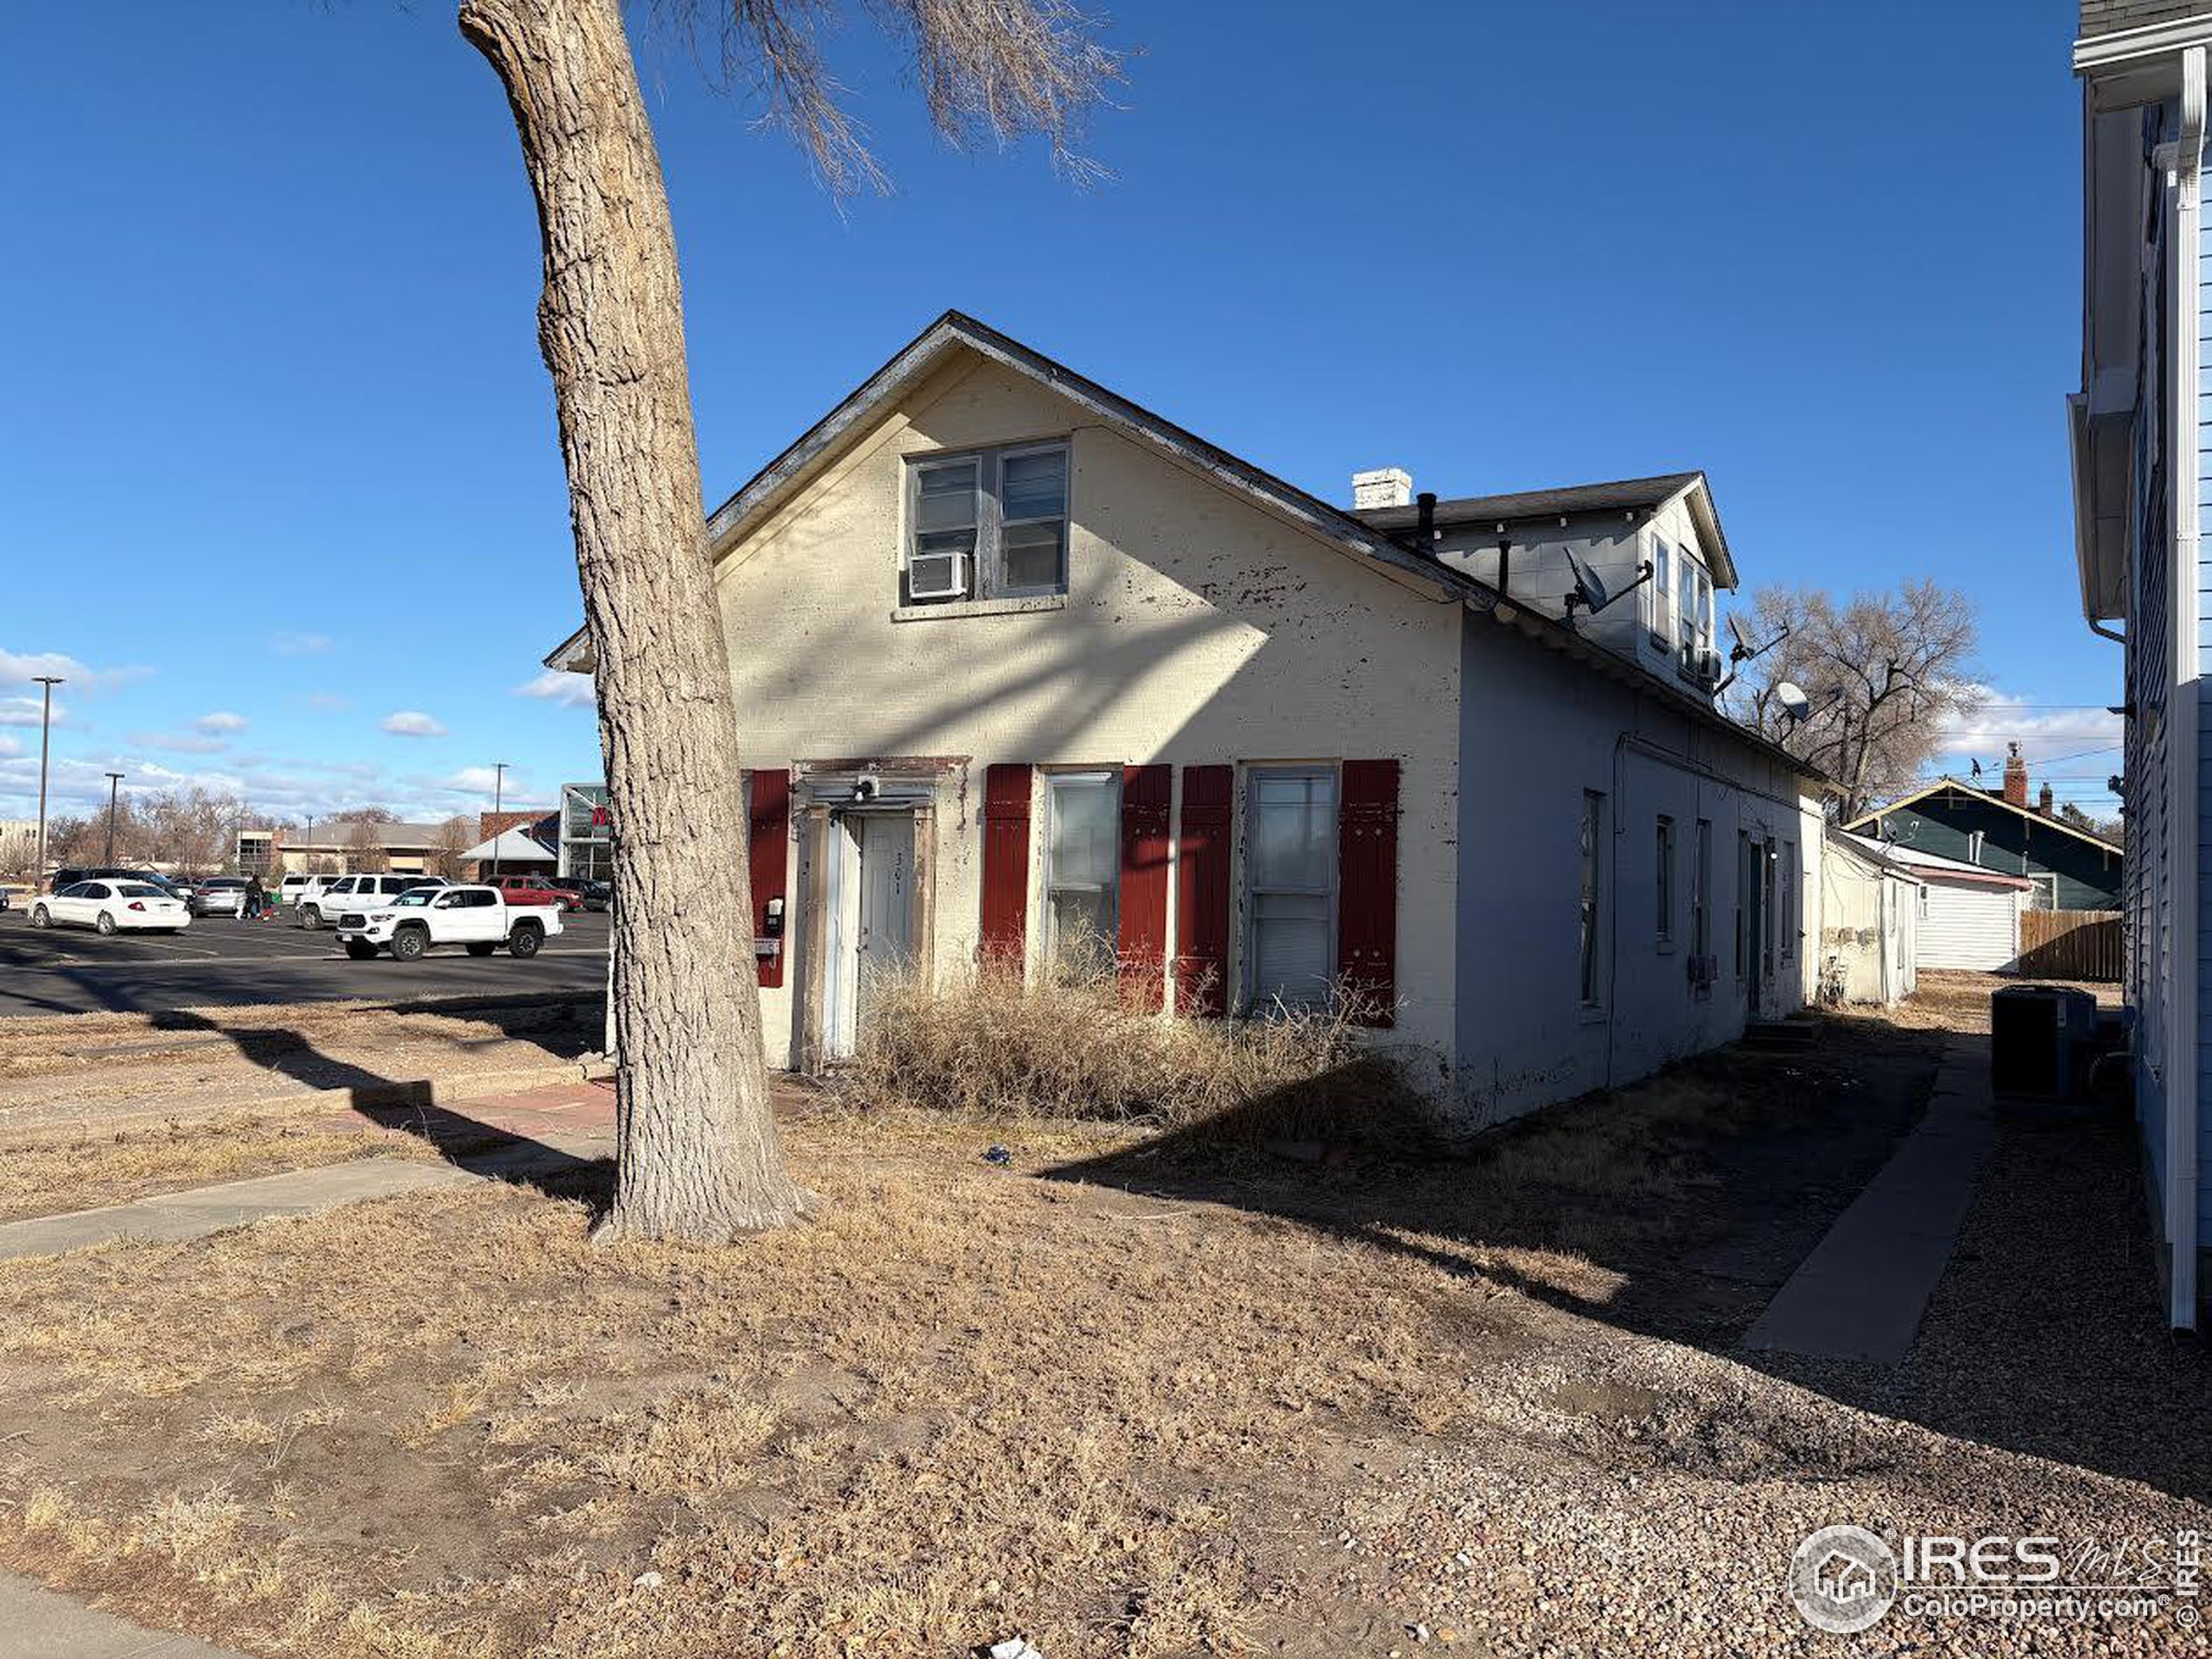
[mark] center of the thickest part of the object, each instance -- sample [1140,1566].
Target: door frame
[826,802]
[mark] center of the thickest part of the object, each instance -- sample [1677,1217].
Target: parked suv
[322,903]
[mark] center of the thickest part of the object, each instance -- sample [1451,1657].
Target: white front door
[867,926]
[885,945]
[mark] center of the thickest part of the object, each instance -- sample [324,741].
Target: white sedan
[111,906]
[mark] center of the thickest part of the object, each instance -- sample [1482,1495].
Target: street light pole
[498,779]
[45,729]
[114,783]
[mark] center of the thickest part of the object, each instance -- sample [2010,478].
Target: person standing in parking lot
[255,899]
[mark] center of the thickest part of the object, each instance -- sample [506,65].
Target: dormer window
[1659,595]
[990,525]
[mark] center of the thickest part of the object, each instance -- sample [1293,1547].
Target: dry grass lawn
[965,1402]
[45,1177]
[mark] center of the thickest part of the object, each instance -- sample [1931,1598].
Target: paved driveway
[217,960]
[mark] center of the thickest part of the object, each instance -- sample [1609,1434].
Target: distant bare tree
[364,848]
[193,829]
[365,815]
[454,837]
[2113,829]
[698,1153]
[1883,672]
[18,852]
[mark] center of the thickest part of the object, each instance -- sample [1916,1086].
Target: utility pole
[114,783]
[499,777]
[45,728]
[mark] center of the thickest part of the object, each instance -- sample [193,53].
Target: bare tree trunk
[698,1155]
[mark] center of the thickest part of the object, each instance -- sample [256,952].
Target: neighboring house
[2072,868]
[408,849]
[1021,665]
[1870,922]
[2137,478]
[1969,916]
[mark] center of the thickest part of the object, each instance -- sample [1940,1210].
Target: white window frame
[1054,781]
[1659,596]
[986,564]
[1247,802]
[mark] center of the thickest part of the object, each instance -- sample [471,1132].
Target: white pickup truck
[478,919]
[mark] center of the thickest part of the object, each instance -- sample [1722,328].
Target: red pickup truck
[532,890]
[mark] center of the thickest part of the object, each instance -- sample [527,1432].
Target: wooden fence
[2071,945]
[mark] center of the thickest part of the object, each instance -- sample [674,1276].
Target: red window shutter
[1202,892]
[770,845]
[1006,863]
[1367,886]
[1143,901]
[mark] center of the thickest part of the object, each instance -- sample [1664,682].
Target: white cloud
[10,747]
[222,720]
[22,668]
[559,686]
[2075,747]
[25,711]
[412,722]
[179,742]
[300,645]
[478,781]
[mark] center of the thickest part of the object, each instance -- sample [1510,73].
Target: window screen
[1291,862]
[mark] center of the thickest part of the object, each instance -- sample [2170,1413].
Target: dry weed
[1081,1045]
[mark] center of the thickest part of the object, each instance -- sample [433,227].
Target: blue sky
[278,453]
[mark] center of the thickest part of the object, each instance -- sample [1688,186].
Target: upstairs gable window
[1659,596]
[992,525]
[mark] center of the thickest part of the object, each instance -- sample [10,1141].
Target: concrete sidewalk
[544,1131]
[45,1622]
[1860,1295]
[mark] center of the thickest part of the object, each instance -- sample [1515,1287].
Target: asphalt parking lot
[219,960]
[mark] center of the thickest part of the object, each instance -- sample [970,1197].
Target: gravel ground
[1618,1494]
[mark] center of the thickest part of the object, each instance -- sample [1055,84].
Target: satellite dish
[1795,705]
[1735,629]
[1587,589]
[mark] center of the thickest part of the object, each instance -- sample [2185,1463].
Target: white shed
[1969,917]
[1870,923]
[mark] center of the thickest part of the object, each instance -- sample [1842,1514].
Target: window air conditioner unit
[937,575]
[1710,667]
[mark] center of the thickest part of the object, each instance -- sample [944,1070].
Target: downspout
[2104,632]
[2184,1018]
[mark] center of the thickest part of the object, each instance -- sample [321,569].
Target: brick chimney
[2042,801]
[2016,778]
[1385,487]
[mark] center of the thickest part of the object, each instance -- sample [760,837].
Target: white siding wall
[1972,927]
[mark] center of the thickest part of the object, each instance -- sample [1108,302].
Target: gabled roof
[1370,544]
[1984,796]
[1619,495]
[1939,866]
[516,843]
[1870,852]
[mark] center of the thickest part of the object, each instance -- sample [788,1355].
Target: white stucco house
[1871,904]
[1018,661]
